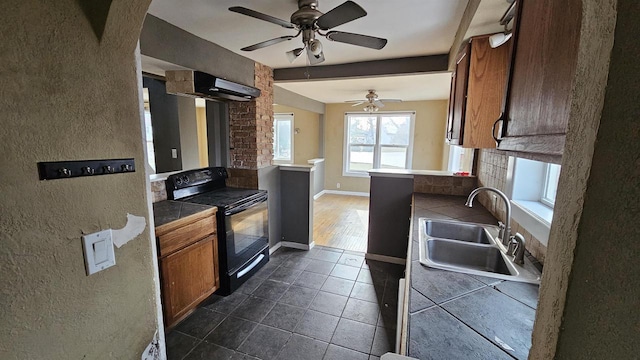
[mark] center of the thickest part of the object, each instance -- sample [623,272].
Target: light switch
[98,251]
[174,153]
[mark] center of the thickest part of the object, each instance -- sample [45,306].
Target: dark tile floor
[323,303]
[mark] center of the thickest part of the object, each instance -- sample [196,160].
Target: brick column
[251,132]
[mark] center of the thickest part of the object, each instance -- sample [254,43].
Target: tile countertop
[167,211]
[458,316]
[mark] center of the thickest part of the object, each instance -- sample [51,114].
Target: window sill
[534,216]
[355,174]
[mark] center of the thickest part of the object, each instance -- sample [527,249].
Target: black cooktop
[226,197]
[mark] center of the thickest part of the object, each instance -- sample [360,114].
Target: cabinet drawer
[188,234]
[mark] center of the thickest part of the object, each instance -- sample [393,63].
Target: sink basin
[470,256]
[471,249]
[457,230]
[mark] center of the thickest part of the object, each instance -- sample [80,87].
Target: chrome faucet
[505,232]
[516,248]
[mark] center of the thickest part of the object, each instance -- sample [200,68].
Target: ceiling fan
[373,103]
[310,22]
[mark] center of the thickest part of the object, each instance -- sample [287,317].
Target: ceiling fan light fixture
[371,108]
[294,54]
[315,46]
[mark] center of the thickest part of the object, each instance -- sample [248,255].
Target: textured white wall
[67,95]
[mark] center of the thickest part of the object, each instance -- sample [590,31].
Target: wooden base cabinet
[189,269]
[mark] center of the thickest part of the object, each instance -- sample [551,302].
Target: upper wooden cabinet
[477,92]
[537,104]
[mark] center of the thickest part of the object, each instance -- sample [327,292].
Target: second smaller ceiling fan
[373,103]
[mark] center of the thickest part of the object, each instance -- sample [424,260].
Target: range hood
[198,84]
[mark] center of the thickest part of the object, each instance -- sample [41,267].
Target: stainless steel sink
[456,253]
[457,230]
[461,247]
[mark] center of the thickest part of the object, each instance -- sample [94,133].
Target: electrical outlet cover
[98,251]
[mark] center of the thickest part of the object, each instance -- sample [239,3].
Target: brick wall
[492,171]
[251,125]
[251,132]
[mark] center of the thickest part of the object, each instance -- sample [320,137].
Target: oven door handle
[251,266]
[245,206]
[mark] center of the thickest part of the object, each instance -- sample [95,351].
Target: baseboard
[316,196]
[384,258]
[352,193]
[295,245]
[275,248]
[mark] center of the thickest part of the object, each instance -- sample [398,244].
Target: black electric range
[242,221]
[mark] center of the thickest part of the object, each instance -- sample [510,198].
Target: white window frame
[283,117]
[377,147]
[545,188]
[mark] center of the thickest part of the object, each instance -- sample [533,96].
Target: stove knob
[178,181]
[185,179]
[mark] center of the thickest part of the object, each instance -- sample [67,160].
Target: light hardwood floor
[341,221]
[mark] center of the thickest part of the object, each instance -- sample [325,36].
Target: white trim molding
[340,192]
[385,258]
[295,245]
[275,248]
[318,195]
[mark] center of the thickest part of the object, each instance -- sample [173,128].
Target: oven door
[247,232]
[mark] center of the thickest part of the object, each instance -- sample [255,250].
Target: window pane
[393,158]
[282,139]
[362,129]
[360,158]
[551,187]
[395,130]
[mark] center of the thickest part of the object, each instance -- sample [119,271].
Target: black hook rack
[52,170]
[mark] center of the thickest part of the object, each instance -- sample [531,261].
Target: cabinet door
[188,277]
[458,98]
[485,91]
[542,71]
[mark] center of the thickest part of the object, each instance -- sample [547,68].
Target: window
[552,175]
[460,159]
[283,138]
[533,186]
[377,141]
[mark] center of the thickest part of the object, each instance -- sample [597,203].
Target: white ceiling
[406,88]
[413,28]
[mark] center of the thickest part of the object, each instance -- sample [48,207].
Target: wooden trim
[174,225]
[389,67]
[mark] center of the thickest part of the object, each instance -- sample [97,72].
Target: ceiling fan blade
[294,54]
[378,103]
[315,59]
[261,16]
[260,45]
[390,100]
[357,39]
[340,14]
[357,102]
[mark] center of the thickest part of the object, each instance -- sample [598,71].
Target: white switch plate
[98,251]
[174,153]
